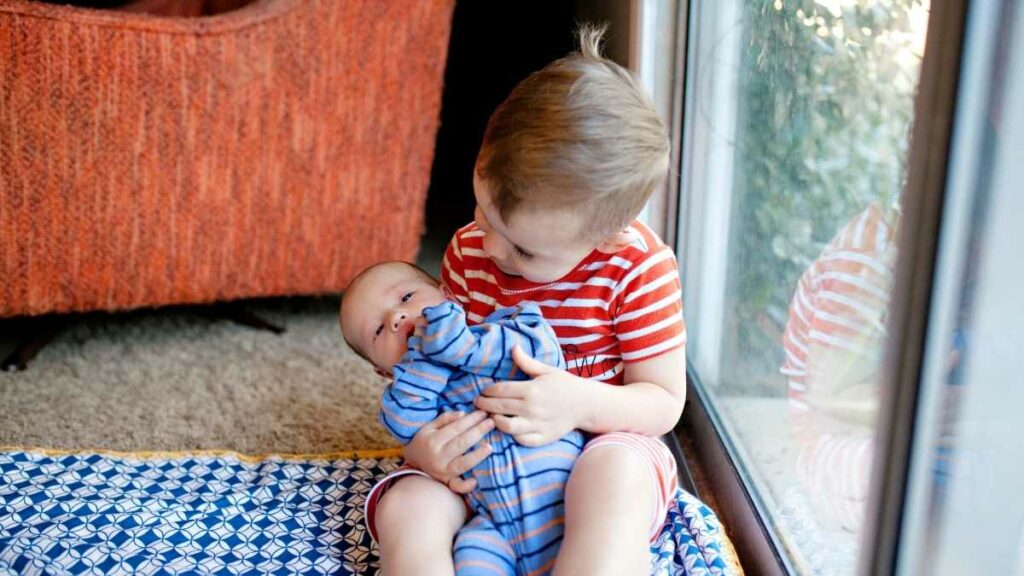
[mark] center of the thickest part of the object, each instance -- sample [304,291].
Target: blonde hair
[580,133]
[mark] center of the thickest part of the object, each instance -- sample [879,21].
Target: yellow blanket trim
[249,458]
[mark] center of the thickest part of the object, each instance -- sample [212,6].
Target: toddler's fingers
[507,406]
[510,389]
[531,439]
[462,485]
[463,442]
[467,462]
[514,425]
[442,420]
[459,426]
[529,365]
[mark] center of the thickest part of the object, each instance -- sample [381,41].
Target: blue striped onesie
[518,500]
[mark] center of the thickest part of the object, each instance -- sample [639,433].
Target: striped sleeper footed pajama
[518,500]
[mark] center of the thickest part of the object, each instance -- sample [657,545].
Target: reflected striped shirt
[836,323]
[833,346]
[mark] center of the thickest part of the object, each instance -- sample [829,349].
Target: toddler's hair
[580,133]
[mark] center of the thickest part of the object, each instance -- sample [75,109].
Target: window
[862,403]
[796,132]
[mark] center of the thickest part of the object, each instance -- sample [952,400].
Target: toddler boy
[566,165]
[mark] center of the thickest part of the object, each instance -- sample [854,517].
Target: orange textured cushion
[277,149]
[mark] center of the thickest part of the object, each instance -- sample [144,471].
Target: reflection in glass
[800,115]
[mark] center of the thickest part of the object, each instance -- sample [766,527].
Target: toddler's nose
[493,247]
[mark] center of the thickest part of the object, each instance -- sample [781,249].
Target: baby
[397,317]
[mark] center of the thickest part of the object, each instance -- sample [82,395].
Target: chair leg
[40,332]
[239,315]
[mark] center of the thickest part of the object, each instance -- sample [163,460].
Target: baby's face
[380,313]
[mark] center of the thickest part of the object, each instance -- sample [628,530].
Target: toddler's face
[380,312]
[539,245]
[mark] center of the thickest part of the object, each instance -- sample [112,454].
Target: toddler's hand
[538,411]
[440,448]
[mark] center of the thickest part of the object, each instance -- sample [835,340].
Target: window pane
[798,118]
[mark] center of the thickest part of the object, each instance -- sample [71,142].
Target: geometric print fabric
[94,514]
[228,514]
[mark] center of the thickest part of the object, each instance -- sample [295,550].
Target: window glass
[797,127]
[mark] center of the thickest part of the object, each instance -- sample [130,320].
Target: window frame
[910,307]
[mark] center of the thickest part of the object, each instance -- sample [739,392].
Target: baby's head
[567,162]
[380,310]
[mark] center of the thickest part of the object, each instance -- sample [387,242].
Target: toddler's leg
[480,550]
[616,491]
[417,520]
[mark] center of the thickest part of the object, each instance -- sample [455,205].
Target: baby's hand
[419,326]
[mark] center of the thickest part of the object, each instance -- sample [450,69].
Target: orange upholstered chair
[273,149]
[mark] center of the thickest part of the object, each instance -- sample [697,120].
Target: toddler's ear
[615,242]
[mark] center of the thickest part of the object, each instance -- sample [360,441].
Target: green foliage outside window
[825,103]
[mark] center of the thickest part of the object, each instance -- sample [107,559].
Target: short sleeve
[453,271]
[649,308]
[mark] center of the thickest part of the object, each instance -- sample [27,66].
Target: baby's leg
[481,550]
[416,522]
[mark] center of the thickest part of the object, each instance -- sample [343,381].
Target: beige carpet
[176,379]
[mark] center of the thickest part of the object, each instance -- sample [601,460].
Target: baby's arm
[443,344]
[486,349]
[411,400]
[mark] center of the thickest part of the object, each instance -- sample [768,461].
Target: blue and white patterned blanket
[228,514]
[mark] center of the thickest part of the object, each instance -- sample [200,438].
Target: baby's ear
[446,291]
[615,242]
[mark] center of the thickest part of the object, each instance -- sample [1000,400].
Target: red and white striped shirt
[610,309]
[838,310]
[833,344]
